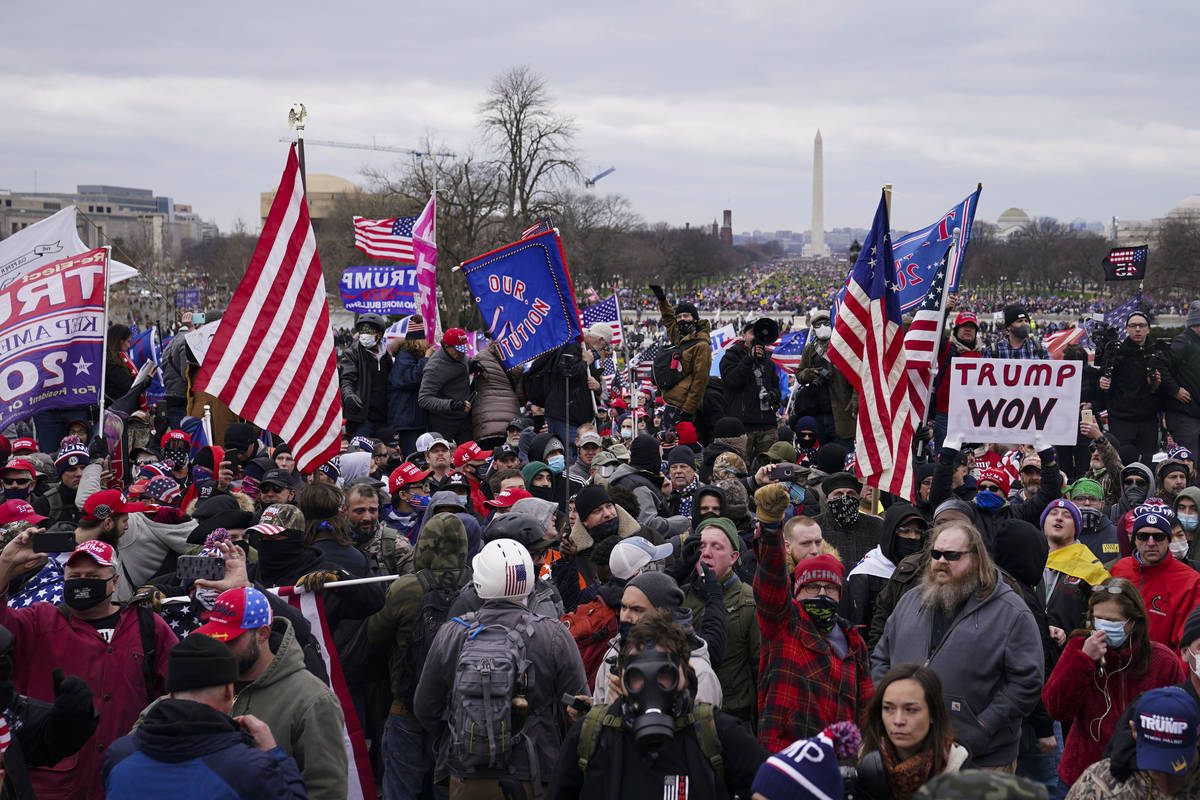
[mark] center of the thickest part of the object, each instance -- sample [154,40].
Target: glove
[315,581]
[658,292]
[685,565]
[149,596]
[71,695]
[458,405]
[710,586]
[97,448]
[771,501]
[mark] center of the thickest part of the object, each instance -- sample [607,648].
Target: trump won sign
[1014,401]
[52,336]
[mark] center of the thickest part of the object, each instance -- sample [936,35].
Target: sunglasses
[1134,482]
[991,487]
[947,555]
[16,481]
[1157,536]
[1111,588]
[269,487]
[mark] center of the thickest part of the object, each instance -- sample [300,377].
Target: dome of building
[1190,207]
[1014,215]
[328,184]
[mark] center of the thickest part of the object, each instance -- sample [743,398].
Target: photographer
[751,388]
[654,734]
[1130,382]
[822,392]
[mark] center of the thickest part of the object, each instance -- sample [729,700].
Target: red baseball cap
[405,474]
[506,498]
[100,552]
[456,338]
[105,504]
[236,611]
[175,436]
[1000,477]
[966,318]
[24,443]
[469,451]
[19,511]
[20,465]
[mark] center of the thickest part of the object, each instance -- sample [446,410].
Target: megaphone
[766,331]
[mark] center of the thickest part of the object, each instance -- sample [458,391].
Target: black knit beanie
[682,454]
[589,499]
[831,458]
[728,428]
[644,454]
[199,662]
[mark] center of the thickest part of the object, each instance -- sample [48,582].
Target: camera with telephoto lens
[1107,341]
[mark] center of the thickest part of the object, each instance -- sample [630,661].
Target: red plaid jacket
[803,686]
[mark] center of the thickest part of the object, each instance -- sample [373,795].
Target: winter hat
[414,328]
[239,436]
[1152,515]
[830,458]
[1191,628]
[645,455]
[1165,469]
[841,480]
[687,433]
[199,662]
[819,568]
[73,453]
[660,589]
[1021,550]
[728,465]
[806,424]
[737,499]
[687,308]
[1129,453]
[808,768]
[363,443]
[1070,507]
[589,499]
[1193,315]
[1000,477]
[782,452]
[728,428]
[1014,312]
[532,469]
[1086,487]
[164,489]
[727,527]
[682,454]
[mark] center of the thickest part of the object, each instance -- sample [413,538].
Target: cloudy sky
[1067,108]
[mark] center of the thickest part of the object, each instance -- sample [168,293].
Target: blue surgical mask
[1115,631]
[1189,521]
[989,501]
[419,501]
[462,498]
[557,464]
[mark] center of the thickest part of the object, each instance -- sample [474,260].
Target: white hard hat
[503,571]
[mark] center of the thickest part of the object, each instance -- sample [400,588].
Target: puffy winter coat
[364,383]
[743,386]
[1170,589]
[695,361]
[496,401]
[1130,397]
[445,383]
[404,384]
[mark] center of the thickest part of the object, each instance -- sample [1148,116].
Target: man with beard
[851,533]
[1169,588]
[963,343]
[1019,342]
[1172,478]
[392,553]
[304,715]
[980,637]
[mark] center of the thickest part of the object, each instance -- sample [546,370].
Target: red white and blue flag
[922,341]
[1126,263]
[787,351]
[541,226]
[386,238]
[607,312]
[514,580]
[867,347]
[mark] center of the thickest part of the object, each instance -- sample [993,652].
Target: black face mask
[605,529]
[906,547]
[277,553]
[543,493]
[84,593]
[685,327]
[1020,332]
[245,545]
[1134,495]
[707,515]
[822,610]
[16,494]
[623,628]
[651,710]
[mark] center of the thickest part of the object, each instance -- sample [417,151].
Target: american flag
[644,362]
[1126,263]
[1058,341]
[385,238]
[514,580]
[612,378]
[541,226]
[608,312]
[868,348]
[272,359]
[921,342]
[786,353]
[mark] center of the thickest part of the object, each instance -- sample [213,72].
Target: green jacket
[738,671]
[441,549]
[304,715]
[696,359]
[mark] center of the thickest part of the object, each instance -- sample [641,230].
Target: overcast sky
[1066,108]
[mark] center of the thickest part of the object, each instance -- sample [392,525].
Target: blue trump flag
[142,348]
[525,294]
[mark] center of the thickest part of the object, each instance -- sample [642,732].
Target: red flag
[272,359]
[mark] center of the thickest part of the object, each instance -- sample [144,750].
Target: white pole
[104,345]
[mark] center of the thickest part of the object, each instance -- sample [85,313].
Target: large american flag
[922,340]
[272,359]
[386,238]
[868,348]
[608,312]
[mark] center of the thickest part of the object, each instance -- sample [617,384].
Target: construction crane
[378,147]
[590,183]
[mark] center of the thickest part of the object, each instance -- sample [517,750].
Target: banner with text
[524,293]
[52,336]
[379,290]
[1014,401]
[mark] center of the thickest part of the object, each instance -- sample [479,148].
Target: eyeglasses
[1157,536]
[1134,482]
[818,589]
[948,555]
[1136,325]
[1111,588]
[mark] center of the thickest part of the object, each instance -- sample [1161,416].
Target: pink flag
[425,252]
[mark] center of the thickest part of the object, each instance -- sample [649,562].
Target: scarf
[685,497]
[906,777]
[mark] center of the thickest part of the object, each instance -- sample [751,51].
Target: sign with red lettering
[1014,401]
[52,336]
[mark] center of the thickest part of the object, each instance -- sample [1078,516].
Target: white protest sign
[1019,401]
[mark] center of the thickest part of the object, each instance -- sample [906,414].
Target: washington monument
[817,247]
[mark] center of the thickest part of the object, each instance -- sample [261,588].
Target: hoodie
[1121,514]
[652,506]
[867,579]
[196,751]
[447,499]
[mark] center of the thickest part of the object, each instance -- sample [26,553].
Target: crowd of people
[533,585]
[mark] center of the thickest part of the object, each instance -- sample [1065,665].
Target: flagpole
[296,117]
[103,346]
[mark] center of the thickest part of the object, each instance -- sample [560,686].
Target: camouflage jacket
[1097,783]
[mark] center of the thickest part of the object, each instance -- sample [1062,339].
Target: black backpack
[667,369]
[537,379]
[432,612]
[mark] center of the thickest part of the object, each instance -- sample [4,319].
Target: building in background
[322,191]
[727,228]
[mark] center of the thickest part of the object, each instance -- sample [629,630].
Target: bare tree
[533,142]
[1176,254]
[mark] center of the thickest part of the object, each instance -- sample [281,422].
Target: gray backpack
[492,670]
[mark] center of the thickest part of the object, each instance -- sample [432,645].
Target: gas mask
[685,327]
[661,695]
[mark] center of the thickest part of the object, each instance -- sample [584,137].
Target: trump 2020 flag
[52,326]
[525,295]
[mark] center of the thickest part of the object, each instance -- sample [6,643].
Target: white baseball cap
[631,556]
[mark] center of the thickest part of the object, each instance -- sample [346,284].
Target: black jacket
[570,370]
[1184,372]
[1129,397]
[42,735]
[742,387]
[364,384]
[865,581]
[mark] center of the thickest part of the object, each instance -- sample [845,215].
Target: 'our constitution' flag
[272,359]
[1126,263]
[524,293]
[52,335]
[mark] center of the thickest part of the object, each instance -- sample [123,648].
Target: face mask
[367,340]
[806,441]
[1020,332]
[419,501]
[685,327]
[543,493]
[462,498]
[708,515]
[796,494]
[84,593]
[16,494]
[1134,495]
[277,552]
[822,611]
[823,332]
[989,501]
[904,548]
[1115,631]
[651,710]
[557,464]
[207,597]
[844,510]
[626,433]
[1179,549]
[1188,521]
[1194,663]
[1091,518]
[605,529]
[623,628]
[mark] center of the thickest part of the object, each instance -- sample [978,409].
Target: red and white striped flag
[921,343]
[360,783]
[272,359]
[867,347]
[1058,341]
